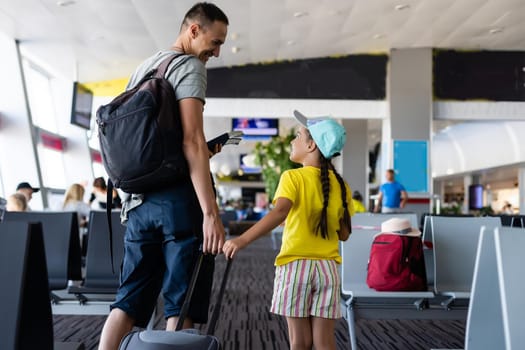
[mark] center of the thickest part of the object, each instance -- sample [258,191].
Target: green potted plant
[274,158]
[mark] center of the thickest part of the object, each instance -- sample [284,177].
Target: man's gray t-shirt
[186,74]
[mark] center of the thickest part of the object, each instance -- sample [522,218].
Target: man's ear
[194,30]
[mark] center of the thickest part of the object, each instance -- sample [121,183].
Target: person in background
[507,209]
[316,203]
[165,228]
[98,199]
[357,200]
[74,201]
[392,195]
[16,202]
[27,190]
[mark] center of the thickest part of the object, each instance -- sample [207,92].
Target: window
[43,114]
[41,102]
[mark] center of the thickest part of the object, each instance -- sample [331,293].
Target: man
[160,242]
[392,195]
[27,190]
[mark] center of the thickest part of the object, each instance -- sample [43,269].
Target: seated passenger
[98,198]
[357,200]
[16,202]
[74,201]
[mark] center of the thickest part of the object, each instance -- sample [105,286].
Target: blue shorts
[161,245]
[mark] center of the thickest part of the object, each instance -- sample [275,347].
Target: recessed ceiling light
[236,49]
[300,14]
[290,42]
[378,36]
[234,36]
[495,30]
[65,3]
[401,7]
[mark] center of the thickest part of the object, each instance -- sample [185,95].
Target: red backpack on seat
[396,259]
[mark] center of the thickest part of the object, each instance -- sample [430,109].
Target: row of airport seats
[450,258]
[513,220]
[26,321]
[227,217]
[73,289]
[99,285]
[61,242]
[101,280]
[506,219]
[495,316]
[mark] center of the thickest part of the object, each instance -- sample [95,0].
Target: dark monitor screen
[256,128]
[82,106]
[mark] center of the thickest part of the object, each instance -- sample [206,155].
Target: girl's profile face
[300,145]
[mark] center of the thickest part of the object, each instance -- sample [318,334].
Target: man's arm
[404,199]
[197,154]
[379,201]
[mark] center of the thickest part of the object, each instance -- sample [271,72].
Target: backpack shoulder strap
[163,66]
[109,207]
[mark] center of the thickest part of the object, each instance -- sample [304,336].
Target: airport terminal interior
[433,89]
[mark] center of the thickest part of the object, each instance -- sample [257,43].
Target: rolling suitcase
[181,339]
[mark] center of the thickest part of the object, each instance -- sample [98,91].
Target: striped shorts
[304,288]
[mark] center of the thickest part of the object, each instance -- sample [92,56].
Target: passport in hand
[228,138]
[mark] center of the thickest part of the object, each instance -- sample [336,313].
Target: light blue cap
[328,134]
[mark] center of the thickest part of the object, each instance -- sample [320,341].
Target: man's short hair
[204,13]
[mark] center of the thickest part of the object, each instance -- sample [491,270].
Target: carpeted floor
[246,324]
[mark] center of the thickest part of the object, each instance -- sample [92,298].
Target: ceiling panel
[109,38]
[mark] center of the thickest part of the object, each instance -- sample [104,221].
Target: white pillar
[355,156]
[467,181]
[410,105]
[521,184]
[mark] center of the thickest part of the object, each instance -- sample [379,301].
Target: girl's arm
[270,221]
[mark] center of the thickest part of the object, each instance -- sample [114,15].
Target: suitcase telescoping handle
[189,293]
[187,300]
[217,308]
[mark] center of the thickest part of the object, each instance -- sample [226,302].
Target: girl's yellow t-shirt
[300,241]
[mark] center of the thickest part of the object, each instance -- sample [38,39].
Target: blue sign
[411,164]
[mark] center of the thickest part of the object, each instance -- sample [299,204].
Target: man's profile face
[27,192]
[389,176]
[208,40]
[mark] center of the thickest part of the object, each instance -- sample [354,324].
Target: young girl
[317,205]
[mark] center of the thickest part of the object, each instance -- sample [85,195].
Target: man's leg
[171,323]
[117,325]
[199,305]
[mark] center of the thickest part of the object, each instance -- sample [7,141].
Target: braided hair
[326,164]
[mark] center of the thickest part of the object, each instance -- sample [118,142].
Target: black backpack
[140,134]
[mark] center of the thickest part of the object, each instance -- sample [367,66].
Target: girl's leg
[323,330]
[300,333]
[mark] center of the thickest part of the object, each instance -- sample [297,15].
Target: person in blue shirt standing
[392,195]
